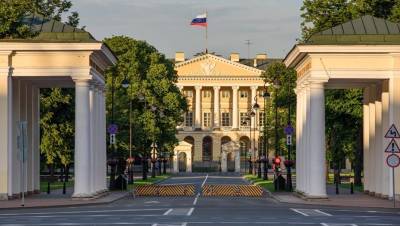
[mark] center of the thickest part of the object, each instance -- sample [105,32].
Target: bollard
[337,188]
[351,188]
[64,188]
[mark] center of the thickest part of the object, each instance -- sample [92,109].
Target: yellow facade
[220,94]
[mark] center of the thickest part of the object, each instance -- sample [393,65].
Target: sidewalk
[344,198]
[56,198]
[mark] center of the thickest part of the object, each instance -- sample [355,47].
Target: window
[226,119]
[244,94]
[207,119]
[207,94]
[261,118]
[244,119]
[188,93]
[226,94]
[189,119]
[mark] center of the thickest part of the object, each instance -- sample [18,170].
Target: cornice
[217,58]
[224,78]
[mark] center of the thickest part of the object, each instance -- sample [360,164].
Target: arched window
[207,148]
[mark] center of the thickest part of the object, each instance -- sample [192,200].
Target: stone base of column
[3,196]
[92,196]
[306,196]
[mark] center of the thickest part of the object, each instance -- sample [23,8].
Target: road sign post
[393,159]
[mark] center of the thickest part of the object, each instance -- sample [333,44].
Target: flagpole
[207,33]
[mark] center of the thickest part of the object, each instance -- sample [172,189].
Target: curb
[66,205]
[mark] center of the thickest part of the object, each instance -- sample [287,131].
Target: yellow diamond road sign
[392,132]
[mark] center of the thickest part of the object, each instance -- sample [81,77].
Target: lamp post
[126,84]
[266,95]
[276,87]
[256,107]
[142,98]
[112,161]
[153,159]
[251,146]
[289,133]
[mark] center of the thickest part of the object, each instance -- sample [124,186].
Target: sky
[272,26]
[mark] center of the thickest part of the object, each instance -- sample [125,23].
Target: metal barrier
[165,190]
[232,190]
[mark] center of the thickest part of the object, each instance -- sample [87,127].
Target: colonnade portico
[54,59]
[342,58]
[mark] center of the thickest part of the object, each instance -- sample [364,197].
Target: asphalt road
[156,211]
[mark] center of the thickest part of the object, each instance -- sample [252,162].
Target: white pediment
[211,65]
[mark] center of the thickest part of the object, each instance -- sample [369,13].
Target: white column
[224,166]
[237,161]
[394,112]
[14,167]
[366,136]
[378,142]
[82,184]
[371,157]
[306,137]
[35,174]
[198,108]
[317,141]
[5,132]
[189,161]
[92,162]
[385,126]
[253,95]
[97,174]
[299,150]
[103,134]
[29,119]
[235,109]
[175,159]
[216,107]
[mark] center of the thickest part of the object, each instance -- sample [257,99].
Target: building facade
[220,93]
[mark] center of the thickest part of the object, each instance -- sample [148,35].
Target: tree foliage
[319,15]
[152,77]
[281,82]
[13,11]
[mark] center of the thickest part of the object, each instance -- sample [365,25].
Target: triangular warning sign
[392,132]
[393,147]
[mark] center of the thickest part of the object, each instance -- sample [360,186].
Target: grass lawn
[267,184]
[54,185]
[149,180]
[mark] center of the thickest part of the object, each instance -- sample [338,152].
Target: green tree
[156,101]
[282,81]
[12,13]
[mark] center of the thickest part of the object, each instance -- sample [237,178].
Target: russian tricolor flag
[200,20]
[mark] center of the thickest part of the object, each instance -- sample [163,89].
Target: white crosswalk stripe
[334,224]
[311,212]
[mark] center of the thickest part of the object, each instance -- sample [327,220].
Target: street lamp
[153,159]
[253,152]
[256,107]
[126,84]
[289,131]
[276,85]
[112,161]
[266,96]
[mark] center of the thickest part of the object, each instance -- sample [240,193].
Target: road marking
[183,224]
[298,211]
[204,180]
[190,212]
[72,212]
[333,224]
[195,200]
[323,213]
[168,212]
[311,212]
